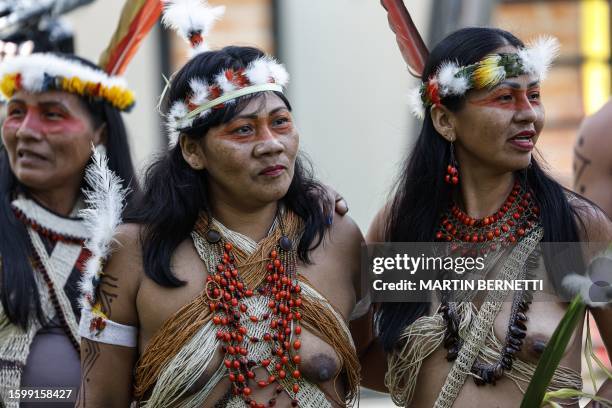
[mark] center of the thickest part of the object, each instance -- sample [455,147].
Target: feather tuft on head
[279,73]
[175,121]
[539,55]
[199,91]
[192,20]
[416,102]
[448,81]
[223,80]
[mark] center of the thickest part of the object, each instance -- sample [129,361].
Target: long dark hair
[175,194]
[421,195]
[20,298]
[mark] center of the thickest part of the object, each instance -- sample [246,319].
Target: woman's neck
[253,222]
[482,193]
[60,201]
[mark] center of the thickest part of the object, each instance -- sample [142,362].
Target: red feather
[137,18]
[411,44]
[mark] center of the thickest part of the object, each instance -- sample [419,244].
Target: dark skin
[250,161]
[592,159]
[494,134]
[48,138]
[593,177]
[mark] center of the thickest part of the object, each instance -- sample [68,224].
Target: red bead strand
[226,292]
[517,215]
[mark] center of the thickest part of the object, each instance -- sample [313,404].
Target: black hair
[421,195]
[18,290]
[175,194]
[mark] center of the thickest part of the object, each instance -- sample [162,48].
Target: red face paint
[45,119]
[510,98]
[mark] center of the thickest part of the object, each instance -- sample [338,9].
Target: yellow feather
[488,73]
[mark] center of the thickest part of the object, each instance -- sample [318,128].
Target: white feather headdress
[193,19]
[262,74]
[451,79]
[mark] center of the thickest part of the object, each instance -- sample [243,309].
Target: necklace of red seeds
[515,217]
[226,292]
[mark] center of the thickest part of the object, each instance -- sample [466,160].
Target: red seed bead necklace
[515,217]
[226,293]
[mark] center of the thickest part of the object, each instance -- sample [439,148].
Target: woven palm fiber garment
[479,342]
[29,358]
[187,344]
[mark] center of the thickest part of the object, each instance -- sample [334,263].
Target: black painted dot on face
[582,189]
[580,141]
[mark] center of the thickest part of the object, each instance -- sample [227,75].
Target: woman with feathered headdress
[230,285]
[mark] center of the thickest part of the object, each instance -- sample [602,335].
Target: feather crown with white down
[193,19]
[42,72]
[453,80]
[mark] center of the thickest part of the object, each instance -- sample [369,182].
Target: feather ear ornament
[192,20]
[105,202]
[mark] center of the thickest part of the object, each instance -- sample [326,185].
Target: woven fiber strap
[475,340]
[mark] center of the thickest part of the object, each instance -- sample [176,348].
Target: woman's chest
[527,339]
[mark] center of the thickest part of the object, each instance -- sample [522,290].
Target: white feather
[199,91]
[258,72]
[539,55]
[278,73]
[225,84]
[178,110]
[105,201]
[449,83]
[86,284]
[173,134]
[416,103]
[175,120]
[190,16]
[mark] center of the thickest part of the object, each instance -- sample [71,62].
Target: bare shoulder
[376,231]
[344,230]
[126,252]
[122,275]
[594,226]
[594,136]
